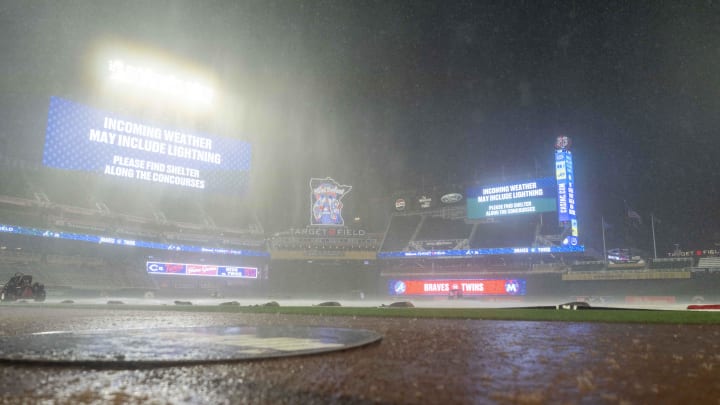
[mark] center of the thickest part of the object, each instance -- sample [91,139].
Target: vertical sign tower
[566,188]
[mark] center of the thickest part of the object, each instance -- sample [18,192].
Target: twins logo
[326,197]
[512,287]
[563,142]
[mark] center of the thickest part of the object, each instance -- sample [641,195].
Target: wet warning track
[417,361]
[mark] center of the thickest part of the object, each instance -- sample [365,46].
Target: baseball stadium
[109,236]
[151,252]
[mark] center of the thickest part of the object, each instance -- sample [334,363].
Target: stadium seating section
[710,263]
[63,264]
[81,203]
[400,232]
[504,234]
[404,230]
[671,263]
[437,228]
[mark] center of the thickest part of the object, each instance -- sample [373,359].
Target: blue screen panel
[83,138]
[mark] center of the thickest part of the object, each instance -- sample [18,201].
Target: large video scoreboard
[499,201]
[86,139]
[535,196]
[526,197]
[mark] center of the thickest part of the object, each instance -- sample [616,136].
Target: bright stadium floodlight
[168,84]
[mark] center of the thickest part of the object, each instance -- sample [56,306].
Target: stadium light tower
[168,84]
[153,82]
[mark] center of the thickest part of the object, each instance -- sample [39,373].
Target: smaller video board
[525,197]
[475,287]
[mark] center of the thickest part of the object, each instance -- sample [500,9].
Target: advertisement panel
[565,178]
[425,202]
[188,269]
[526,197]
[200,270]
[451,198]
[175,268]
[565,185]
[83,138]
[474,287]
[155,267]
[242,272]
[457,253]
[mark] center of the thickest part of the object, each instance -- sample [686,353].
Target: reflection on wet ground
[418,361]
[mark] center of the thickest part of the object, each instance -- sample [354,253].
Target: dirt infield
[418,361]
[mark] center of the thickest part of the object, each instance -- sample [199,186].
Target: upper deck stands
[400,232]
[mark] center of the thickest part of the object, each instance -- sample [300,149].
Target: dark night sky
[391,95]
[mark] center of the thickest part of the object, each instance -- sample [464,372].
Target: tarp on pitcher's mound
[177,346]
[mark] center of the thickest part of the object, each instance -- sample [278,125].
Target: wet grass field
[610,315]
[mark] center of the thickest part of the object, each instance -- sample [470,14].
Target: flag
[632,214]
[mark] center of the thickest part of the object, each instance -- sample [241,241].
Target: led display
[83,138]
[463,287]
[212,270]
[526,197]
